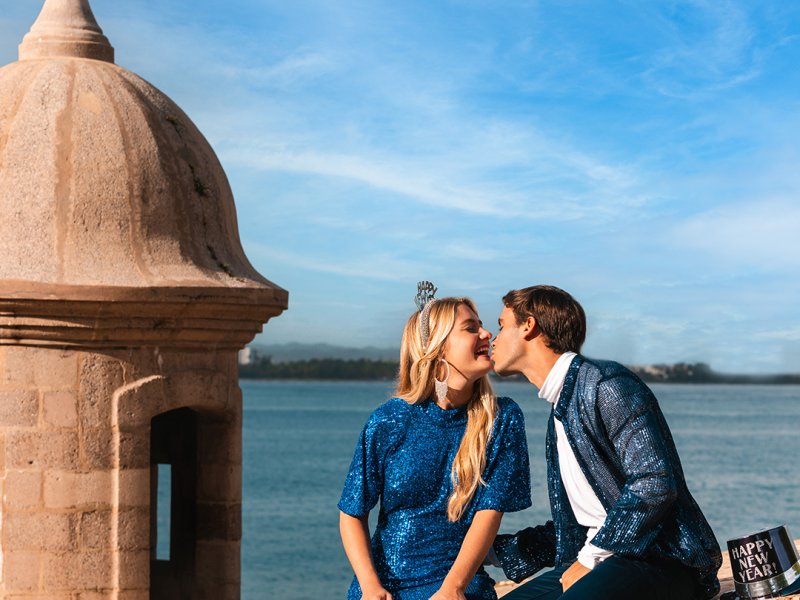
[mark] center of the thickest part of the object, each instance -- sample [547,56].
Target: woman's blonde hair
[415,384]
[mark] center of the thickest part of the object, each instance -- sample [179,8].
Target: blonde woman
[446,459]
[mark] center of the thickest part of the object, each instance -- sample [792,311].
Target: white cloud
[381,266]
[761,234]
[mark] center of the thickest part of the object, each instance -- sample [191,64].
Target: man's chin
[503,372]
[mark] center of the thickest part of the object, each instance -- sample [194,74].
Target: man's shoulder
[604,370]
[598,376]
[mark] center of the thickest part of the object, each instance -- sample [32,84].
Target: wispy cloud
[712,46]
[760,234]
[380,266]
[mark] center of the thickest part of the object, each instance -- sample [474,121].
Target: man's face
[508,346]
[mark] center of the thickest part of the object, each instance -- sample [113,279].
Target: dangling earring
[440,386]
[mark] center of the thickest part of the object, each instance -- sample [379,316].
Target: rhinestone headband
[424,300]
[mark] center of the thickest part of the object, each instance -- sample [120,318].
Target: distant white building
[248,356]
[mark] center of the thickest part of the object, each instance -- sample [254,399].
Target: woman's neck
[457,397]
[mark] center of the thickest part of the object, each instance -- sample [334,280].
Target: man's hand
[573,574]
[448,593]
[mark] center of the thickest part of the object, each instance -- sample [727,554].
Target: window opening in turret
[173,501]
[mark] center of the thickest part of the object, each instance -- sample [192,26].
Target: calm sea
[740,447]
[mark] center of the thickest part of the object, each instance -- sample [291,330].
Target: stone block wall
[75,469]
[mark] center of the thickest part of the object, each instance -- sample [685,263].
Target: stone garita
[124,297]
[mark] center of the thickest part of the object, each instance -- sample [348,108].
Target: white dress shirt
[585,504]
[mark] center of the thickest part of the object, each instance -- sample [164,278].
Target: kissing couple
[446,458]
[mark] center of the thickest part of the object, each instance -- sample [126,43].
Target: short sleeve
[507,473]
[364,481]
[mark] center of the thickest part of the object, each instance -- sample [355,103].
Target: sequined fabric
[625,449]
[403,458]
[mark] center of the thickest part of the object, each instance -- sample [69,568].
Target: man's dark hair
[559,316]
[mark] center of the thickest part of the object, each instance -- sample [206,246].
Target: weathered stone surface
[219,521]
[134,487]
[48,596]
[220,483]
[135,402]
[217,562]
[40,531]
[98,450]
[41,368]
[22,490]
[64,489]
[97,596]
[77,570]
[221,441]
[134,529]
[41,450]
[21,570]
[95,530]
[19,408]
[60,409]
[100,377]
[47,36]
[134,449]
[134,568]
[134,595]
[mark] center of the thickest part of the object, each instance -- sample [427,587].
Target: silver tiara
[424,300]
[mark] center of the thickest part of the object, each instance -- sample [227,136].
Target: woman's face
[467,346]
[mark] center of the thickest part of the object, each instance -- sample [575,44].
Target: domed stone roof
[108,191]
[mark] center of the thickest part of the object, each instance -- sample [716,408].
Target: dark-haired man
[625,526]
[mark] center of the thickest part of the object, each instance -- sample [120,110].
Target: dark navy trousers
[615,579]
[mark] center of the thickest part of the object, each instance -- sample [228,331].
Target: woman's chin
[484,367]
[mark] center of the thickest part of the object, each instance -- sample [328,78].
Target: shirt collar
[552,386]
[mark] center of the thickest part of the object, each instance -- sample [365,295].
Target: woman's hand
[448,593]
[375,594]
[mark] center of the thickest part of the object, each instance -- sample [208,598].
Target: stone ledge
[124,317]
[726,580]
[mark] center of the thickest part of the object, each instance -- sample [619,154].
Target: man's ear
[530,329]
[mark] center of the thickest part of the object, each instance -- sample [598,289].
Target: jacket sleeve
[640,442]
[527,551]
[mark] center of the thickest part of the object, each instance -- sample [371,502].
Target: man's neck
[540,366]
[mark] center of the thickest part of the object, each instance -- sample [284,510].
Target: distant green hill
[264,367]
[320,368]
[292,352]
[702,373]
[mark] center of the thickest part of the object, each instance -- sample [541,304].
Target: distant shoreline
[335,369]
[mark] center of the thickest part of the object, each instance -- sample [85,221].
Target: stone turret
[125,296]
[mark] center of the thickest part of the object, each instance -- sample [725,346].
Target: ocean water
[740,448]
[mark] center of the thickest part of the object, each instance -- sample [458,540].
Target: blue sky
[641,154]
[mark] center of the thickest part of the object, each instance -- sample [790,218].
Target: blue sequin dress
[403,458]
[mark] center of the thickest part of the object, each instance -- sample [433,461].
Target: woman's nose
[485,334]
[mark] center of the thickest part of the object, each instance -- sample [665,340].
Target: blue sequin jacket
[624,447]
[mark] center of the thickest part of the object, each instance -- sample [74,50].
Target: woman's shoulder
[509,414]
[392,414]
[507,406]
